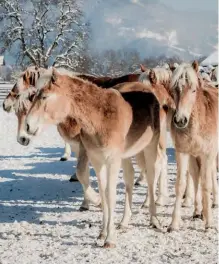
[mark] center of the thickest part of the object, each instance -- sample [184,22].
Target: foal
[194,132]
[163,76]
[113,127]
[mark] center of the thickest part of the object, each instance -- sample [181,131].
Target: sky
[211,5]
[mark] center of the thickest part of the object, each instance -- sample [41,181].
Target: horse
[32,73]
[194,141]
[153,77]
[163,75]
[114,127]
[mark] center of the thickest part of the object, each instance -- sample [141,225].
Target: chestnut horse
[32,73]
[114,126]
[195,136]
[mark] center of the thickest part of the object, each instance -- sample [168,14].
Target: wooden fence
[4,89]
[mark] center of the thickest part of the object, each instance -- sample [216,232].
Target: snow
[40,221]
[211,59]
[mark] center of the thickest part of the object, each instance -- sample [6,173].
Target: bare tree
[45,32]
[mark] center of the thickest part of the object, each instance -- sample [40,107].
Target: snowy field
[40,221]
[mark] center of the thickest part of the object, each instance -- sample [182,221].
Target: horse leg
[215,186]
[163,183]
[140,160]
[194,171]
[153,171]
[112,174]
[182,166]
[206,180]
[67,152]
[128,175]
[73,177]
[189,193]
[82,172]
[158,168]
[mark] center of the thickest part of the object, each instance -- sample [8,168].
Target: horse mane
[23,99]
[64,71]
[185,73]
[163,76]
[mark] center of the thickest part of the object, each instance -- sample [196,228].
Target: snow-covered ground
[40,221]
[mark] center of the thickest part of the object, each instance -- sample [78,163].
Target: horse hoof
[187,203]
[83,209]
[209,228]
[63,159]
[161,201]
[109,245]
[171,229]
[101,237]
[122,227]
[73,179]
[198,216]
[145,205]
[154,223]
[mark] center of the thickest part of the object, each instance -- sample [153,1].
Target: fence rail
[4,89]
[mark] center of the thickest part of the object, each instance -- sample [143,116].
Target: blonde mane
[184,74]
[64,71]
[46,77]
[22,101]
[163,76]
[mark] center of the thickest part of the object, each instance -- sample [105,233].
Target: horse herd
[107,121]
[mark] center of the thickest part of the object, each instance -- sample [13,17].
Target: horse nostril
[22,139]
[185,121]
[28,128]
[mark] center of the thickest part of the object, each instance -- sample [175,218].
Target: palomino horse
[194,133]
[114,126]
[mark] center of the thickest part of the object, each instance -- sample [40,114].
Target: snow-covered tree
[44,32]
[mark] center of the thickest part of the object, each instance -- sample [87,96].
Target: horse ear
[31,97]
[26,76]
[172,67]
[152,77]
[54,75]
[195,65]
[142,67]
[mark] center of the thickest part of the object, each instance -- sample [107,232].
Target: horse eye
[193,91]
[44,97]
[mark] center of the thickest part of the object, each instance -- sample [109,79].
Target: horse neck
[87,104]
[206,106]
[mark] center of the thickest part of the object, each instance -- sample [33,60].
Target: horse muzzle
[180,122]
[7,108]
[23,141]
